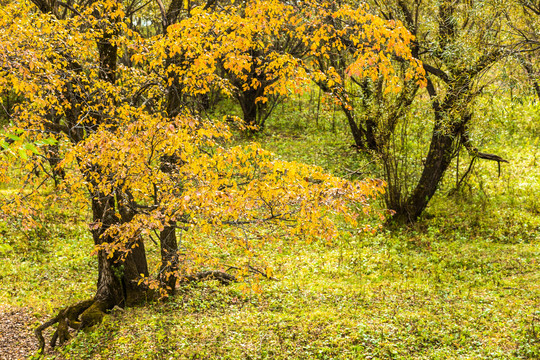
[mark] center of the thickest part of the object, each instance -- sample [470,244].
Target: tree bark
[169,258]
[252,111]
[533,77]
[437,161]
[118,274]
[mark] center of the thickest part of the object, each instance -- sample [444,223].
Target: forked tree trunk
[118,279]
[436,163]
[445,133]
[118,274]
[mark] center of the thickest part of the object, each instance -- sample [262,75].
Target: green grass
[464,283]
[416,295]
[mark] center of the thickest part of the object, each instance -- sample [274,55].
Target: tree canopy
[104,111]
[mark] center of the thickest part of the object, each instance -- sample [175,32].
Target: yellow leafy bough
[94,113]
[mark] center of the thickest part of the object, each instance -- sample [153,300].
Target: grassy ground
[464,283]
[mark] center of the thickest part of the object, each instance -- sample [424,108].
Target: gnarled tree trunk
[118,274]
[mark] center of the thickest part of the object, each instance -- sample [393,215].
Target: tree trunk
[441,149]
[250,109]
[119,274]
[175,102]
[531,75]
[436,163]
[169,258]
[356,131]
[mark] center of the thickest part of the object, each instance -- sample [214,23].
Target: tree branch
[437,72]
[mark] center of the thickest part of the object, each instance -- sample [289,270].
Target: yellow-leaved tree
[103,112]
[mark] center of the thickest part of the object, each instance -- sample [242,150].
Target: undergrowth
[463,283]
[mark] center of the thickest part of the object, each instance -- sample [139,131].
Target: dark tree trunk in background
[364,138]
[533,77]
[167,238]
[169,258]
[253,112]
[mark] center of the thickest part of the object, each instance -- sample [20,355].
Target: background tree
[524,23]
[370,87]
[456,42]
[248,52]
[267,51]
[267,68]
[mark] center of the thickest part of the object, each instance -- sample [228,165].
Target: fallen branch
[221,276]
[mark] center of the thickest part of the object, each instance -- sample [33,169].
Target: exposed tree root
[88,313]
[83,314]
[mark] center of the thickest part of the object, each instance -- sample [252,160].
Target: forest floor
[17,340]
[463,283]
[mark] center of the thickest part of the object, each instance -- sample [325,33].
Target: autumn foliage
[105,112]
